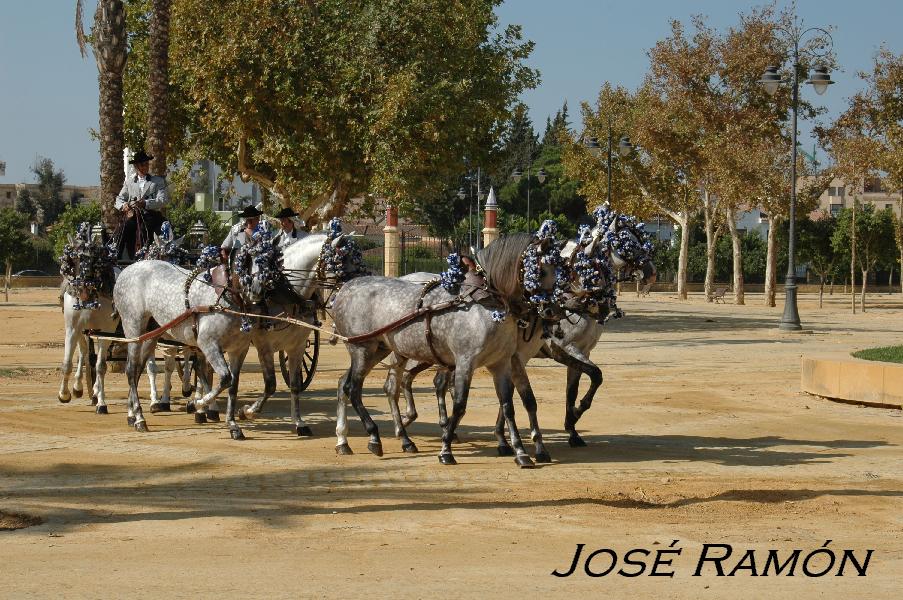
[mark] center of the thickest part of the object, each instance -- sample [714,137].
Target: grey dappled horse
[592,291]
[306,273]
[466,336]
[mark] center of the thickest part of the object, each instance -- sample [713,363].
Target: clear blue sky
[49,99]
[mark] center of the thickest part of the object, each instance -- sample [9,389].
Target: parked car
[31,273]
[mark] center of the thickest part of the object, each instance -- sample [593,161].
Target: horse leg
[294,368]
[69,345]
[268,369]
[77,389]
[463,375]
[441,382]
[152,380]
[162,405]
[363,359]
[236,360]
[407,383]
[504,389]
[577,364]
[341,416]
[525,391]
[101,369]
[138,355]
[187,364]
[215,359]
[392,393]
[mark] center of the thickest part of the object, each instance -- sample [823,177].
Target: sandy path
[699,434]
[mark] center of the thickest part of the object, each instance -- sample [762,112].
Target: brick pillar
[490,232]
[392,250]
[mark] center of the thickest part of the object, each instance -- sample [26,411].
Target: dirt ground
[699,434]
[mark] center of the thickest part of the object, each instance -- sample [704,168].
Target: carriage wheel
[308,362]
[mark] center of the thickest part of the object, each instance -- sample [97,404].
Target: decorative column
[392,251]
[490,232]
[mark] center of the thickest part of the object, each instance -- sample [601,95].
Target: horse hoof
[160,407]
[190,408]
[410,448]
[505,450]
[101,409]
[575,441]
[344,450]
[524,462]
[63,400]
[77,393]
[141,426]
[213,415]
[130,421]
[447,459]
[200,418]
[376,448]
[304,431]
[93,400]
[543,457]
[236,434]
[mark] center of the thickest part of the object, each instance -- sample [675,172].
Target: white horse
[91,308]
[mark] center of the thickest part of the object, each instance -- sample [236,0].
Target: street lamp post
[820,80]
[624,149]
[540,176]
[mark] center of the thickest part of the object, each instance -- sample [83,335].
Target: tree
[817,249]
[25,204]
[13,241]
[355,98]
[870,233]
[108,40]
[69,221]
[883,108]
[158,85]
[49,195]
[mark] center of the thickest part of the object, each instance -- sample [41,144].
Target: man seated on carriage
[240,233]
[141,199]
[291,229]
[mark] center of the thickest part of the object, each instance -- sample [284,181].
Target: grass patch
[892,354]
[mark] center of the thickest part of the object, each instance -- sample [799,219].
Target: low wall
[759,288]
[23,282]
[849,379]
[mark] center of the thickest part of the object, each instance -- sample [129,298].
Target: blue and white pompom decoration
[86,266]
[452,278]
[532,266]
[208,259]
[263,255]
[344,261]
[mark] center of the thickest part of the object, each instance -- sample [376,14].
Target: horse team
[522,296]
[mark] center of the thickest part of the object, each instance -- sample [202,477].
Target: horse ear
[614,226]
[70,239]
[157,240]
[339,238]
[590,248]
[178,242]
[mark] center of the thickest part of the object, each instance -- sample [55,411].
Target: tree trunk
[110,51]
[683,257]
[158,85]
[9,272]
[771,260]
[853,260]
[711,240]
[821,292]
[890,280]
[862,297]
[739,297]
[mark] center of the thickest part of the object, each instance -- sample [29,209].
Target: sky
[49,100]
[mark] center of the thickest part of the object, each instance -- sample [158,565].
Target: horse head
[258,265]
[590,274]
[87,266]
[627,244]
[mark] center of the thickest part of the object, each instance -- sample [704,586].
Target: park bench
[718,294]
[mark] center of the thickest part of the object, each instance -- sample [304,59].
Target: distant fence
[759,288]
[421,252]
[23,282]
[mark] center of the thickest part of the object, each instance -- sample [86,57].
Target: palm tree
[108,40]
[158,84]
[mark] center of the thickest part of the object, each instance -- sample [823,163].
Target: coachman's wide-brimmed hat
[250,212]
[286,213]
[140,157]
